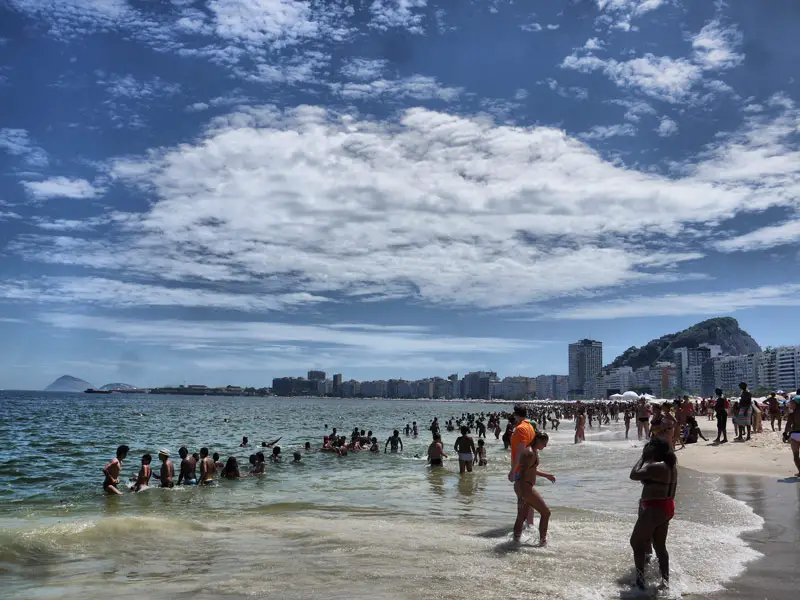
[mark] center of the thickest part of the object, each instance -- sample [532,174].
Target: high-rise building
[787,367]
[454,383]
[477,384]
[337,385]
[317,375]
[585,363]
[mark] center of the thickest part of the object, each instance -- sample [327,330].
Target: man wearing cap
[167,469]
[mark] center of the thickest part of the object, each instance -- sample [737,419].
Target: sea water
[360,526]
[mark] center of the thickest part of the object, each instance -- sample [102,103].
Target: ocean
[360,526]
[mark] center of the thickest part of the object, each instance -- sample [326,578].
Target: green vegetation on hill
[722,331]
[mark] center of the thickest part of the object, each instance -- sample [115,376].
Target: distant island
[68,383]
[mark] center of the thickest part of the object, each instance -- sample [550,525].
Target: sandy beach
[764,455]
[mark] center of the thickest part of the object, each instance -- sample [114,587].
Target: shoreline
[777,501]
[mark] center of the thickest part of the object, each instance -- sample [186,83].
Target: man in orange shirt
[520,439]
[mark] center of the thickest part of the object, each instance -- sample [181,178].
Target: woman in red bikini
[657,470]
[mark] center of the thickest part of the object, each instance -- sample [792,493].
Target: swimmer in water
[188,473]
[436,452]
[143,479]
[244,442]
[375,448]
[259,466]
[167,473]
[217,461]
[395,441]
[112,471]
[231,469]
[526,488]
[480,456]
[465,447]
[207,468]
[297,458]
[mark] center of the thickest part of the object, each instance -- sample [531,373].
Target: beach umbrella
[615,397]
[630,396]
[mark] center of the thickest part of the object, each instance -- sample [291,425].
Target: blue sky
[223,191]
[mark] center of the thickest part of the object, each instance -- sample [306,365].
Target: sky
[226,191]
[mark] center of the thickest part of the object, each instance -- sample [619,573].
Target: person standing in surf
[167,473]
[465,447]
[520,439]
[436,452]
[657,471]
[530,498]
[396,441]
[207,468]
[112,471]
[188,473]
[580,426]
[143,479]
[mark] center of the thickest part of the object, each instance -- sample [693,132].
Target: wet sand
[777,501]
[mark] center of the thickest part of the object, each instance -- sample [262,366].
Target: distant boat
[94,391]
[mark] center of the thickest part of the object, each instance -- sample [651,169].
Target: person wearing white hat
[167,469]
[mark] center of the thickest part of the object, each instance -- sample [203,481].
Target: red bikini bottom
[665,505]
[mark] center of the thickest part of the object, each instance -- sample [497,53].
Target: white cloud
[378,344]
[715,47]
[273,22]
[363,69]
[763,238]
[622,12]
[121,294]
[441,208]
[673,305]
[417,87]
[398,14]
[593,44]
[531,27]
[662,77]
[61,187]
[667,127]
[17,142]
[128,87]
[601,132]
[68,18]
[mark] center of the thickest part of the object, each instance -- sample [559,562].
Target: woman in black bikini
[643,419]
[657,470]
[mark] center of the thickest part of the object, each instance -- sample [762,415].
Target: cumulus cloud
[445,209]
[61,187]
[621,13]
[662,77]
[666,127]
[398,14]
[715,46]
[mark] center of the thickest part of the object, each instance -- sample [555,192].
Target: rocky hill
[723,331]
[67,383]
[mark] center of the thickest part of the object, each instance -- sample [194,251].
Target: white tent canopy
[630,396]
[615,397]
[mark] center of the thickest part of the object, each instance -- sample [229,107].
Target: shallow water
[360,526]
